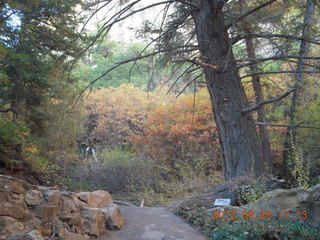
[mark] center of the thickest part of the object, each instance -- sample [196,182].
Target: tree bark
[263,132]
[239,141]
[291,134]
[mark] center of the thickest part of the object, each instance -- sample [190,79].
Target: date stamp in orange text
[259,214]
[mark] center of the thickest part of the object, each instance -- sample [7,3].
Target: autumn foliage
[181,130]
[164,128]
[115,114]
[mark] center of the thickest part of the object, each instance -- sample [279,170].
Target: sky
[125,30]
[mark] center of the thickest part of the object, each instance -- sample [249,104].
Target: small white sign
[222,202]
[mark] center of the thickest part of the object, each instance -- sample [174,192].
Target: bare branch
[250,12]
[286,125]
[281,72]
[193,80]
[106,26]
[272,100]
[202,64]
[251,61]
[187,3]
[286,60]
[174,27]
[91,84]
[244,36]
[187,69]
[92,15]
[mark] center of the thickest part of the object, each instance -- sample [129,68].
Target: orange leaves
[185,123]
[115,114]
[156,124]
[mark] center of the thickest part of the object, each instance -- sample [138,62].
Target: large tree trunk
[239,141]
[291,134]
[263,132]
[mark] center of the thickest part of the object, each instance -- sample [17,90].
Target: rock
[31,236]
[113,217]
[52,197]
[47,212]
[10,226]
[29,212]
[76,223]
[313,205]
[279,199]
[73,236]
[34,235]
[94,221]
[96,199]
[34,197]
[70,204]
[292,200]
[20,212]
[11,185]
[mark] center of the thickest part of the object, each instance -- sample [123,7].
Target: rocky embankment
[296,203]
[36,213]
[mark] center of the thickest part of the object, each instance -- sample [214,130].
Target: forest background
[150,123]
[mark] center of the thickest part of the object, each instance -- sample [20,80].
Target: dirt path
[153,224]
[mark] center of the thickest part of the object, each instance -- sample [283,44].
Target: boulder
[291,201]
[70,203]
[312,205]
[52,197]
[10,226]
[11,185]
[47,212]
[34,197]
[96,199]
[32,235]
[20,212]
[94,221]
[75,222]
[113,218]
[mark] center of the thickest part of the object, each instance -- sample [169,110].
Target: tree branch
[187,3]
[118,64]
[162,35]
[195,79]
[249,12]
[253,35]
[286,125]
[106,26]
[272,100]
[202,64]
[281,72]
[284,58]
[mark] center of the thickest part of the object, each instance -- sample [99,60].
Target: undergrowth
[240,229]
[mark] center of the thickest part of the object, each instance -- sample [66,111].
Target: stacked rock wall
[36,213]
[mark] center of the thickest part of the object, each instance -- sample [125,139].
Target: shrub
[265,230]
[181,131]
[252,191]
[241,229]
[115,114]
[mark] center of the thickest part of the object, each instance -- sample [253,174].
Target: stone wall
[36,213]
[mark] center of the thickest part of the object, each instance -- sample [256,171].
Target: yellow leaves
[119,112]
[182,123]
[154,123]
[32,149]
